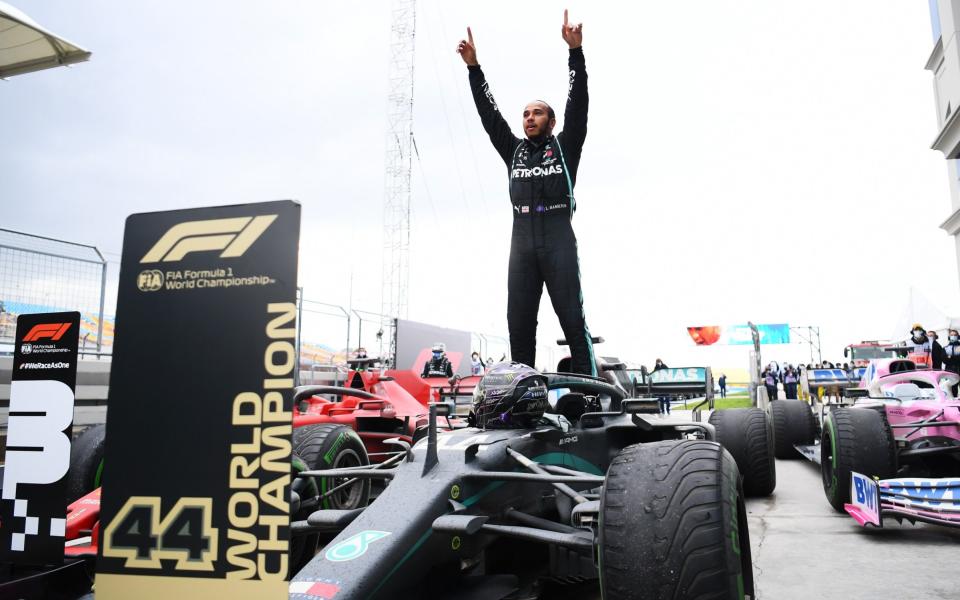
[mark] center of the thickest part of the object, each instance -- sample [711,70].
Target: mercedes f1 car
[635,502]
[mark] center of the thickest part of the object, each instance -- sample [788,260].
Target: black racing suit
[437,367]
[543,248]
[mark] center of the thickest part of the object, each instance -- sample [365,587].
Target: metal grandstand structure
[398,164]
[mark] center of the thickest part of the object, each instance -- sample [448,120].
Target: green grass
[742,401]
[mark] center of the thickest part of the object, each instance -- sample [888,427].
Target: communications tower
[397,172]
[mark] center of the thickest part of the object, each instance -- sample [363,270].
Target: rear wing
[359,364]
[812,379]
[687,381]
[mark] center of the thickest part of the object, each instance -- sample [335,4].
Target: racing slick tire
[793,423]
[673,524]
[86,462]
[332,446]
[854,439]
[747,434]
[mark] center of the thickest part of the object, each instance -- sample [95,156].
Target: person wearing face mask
[919,349]
[476,365]
[951,352]
[438,365]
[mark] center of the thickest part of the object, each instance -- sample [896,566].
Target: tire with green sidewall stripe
[673,524]
[330,446]
[854,439]
[86,462]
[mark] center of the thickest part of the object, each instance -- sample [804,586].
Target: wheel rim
[349,496]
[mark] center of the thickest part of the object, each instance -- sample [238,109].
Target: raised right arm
[493,122]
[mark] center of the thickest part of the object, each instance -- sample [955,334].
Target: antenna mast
[396,200]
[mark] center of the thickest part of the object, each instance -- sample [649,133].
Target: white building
[944,62]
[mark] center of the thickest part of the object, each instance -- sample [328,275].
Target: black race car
[644,507]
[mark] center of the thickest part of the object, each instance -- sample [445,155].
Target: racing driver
[542,171]
[438,365]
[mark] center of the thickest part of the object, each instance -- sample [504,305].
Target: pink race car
[896,450]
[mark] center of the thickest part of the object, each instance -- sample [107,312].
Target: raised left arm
[575,114]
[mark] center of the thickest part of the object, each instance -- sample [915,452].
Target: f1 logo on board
[232,235]
[54,331]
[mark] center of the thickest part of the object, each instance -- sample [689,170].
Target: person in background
[769,378]
[951,354]
[490,361]
[438,365]
[476,365]
[801,369]
[790,383]
[918,346]
[936,351]
[664,401]
[361,353]
[723,385]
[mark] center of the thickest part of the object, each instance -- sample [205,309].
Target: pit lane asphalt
[803,549]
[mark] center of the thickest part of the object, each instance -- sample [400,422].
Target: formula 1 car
[377,405]
[616,496]
[892,447]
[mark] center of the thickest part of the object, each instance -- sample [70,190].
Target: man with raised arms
[542,169]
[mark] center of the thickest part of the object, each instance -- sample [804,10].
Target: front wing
[935,501]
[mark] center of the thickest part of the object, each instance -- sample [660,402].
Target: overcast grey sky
[761,159]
